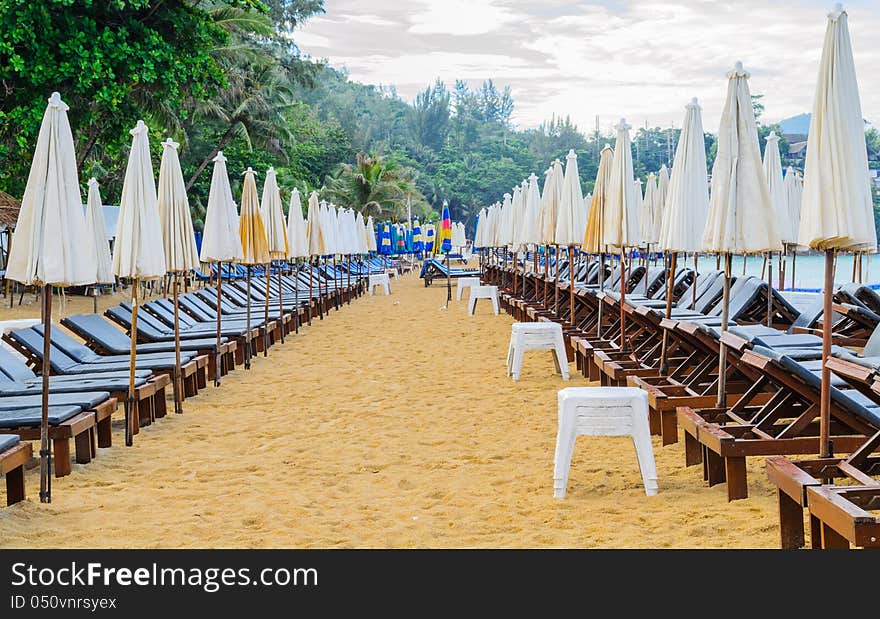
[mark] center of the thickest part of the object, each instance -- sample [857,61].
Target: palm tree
[259,94]
[374,186]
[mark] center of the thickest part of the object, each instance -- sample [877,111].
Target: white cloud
[643,59]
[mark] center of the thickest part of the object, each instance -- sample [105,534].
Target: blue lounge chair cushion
[84,399]
[30,417]
[7,441]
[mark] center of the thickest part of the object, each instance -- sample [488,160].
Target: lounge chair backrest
[809,318]
[743,295]
[711,295]
[95,328]
[147,323]
[32,341]
[196,306]
[14,367]
[869,297]
[73,349]
[872,346]
[703,282]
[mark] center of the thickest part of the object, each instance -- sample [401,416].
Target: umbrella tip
[772,136]
[694,102]
[56,102]
[571,154]
[219,156]
[93,182]
[170,143]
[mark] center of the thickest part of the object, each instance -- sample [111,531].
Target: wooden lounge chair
[13,456]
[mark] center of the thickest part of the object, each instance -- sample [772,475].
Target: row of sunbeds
[773,380]
[89,362]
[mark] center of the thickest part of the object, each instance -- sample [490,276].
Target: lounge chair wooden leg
[669,427]
[104,433]
[832,540]
[791,522]
[693,454]
[737,483]
[83,445]
[61,447]
[145,412]
[714,468]
[202,377]
[815,533]
[655,422]
[158,404]
[15,485]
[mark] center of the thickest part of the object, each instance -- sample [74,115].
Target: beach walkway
[389,424]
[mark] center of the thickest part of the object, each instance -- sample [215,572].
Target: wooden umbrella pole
[571,285]
[622,300]
[178,405]
[854,269]
[217,360]
[696,275]
[95,299]
[247,350]
[45,445]
[722,354]
[770,289]
[825,447]
[296,295]
[556,284]
[130,415]
[546,272]
[349,279]
[281,300]
[514,272]
[783,261]
[664,362]
[268,275]
[763,265]
[601,289]
[793,265]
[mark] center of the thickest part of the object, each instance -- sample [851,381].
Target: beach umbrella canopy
[741,217]
[775,184]
[313,227]
[444,238]
[622,216]
[363,243]
[220,240]
[138,249]
[371,234]
[480,233]
[640,207]
[273,218]
[385,247]
[663,180]
[593,235]
[251,229]
[551,196]
[836,207]
[530,232]
[504,235]
[297,240]
[96,233]
[178,238]
[794,189]
[458,236]
[650,211]
[571,220]
[687,199]
[418,239]
[429,237]
[50,223]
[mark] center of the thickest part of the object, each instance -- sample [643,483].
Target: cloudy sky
[640,59]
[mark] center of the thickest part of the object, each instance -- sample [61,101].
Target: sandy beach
[389,424]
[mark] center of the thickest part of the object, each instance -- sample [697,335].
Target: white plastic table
[380,279]
[603,411]
[482,292]
[465,282]
[536,336]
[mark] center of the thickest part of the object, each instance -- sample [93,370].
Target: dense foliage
[227,75]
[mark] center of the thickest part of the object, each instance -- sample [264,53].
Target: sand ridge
[391,423]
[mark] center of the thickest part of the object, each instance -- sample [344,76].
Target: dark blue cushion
[7,441]
[31,417]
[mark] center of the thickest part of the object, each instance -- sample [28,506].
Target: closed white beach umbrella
[550,198]
[220,240]
[179,241]
[775,184]
[687,199]
[650,211]
[298,244]
[137,251]
[363,243]
[594,241]
[570,216]
[531,230]
[836,208]
[272,215]
[313,227]
[640,208]
[794,190]
[621,211]
[621,214]
[741,217]
[46,248]
[683,219]
[371,234]
[95,229]
[504,231]
[480,233]
[664,178]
